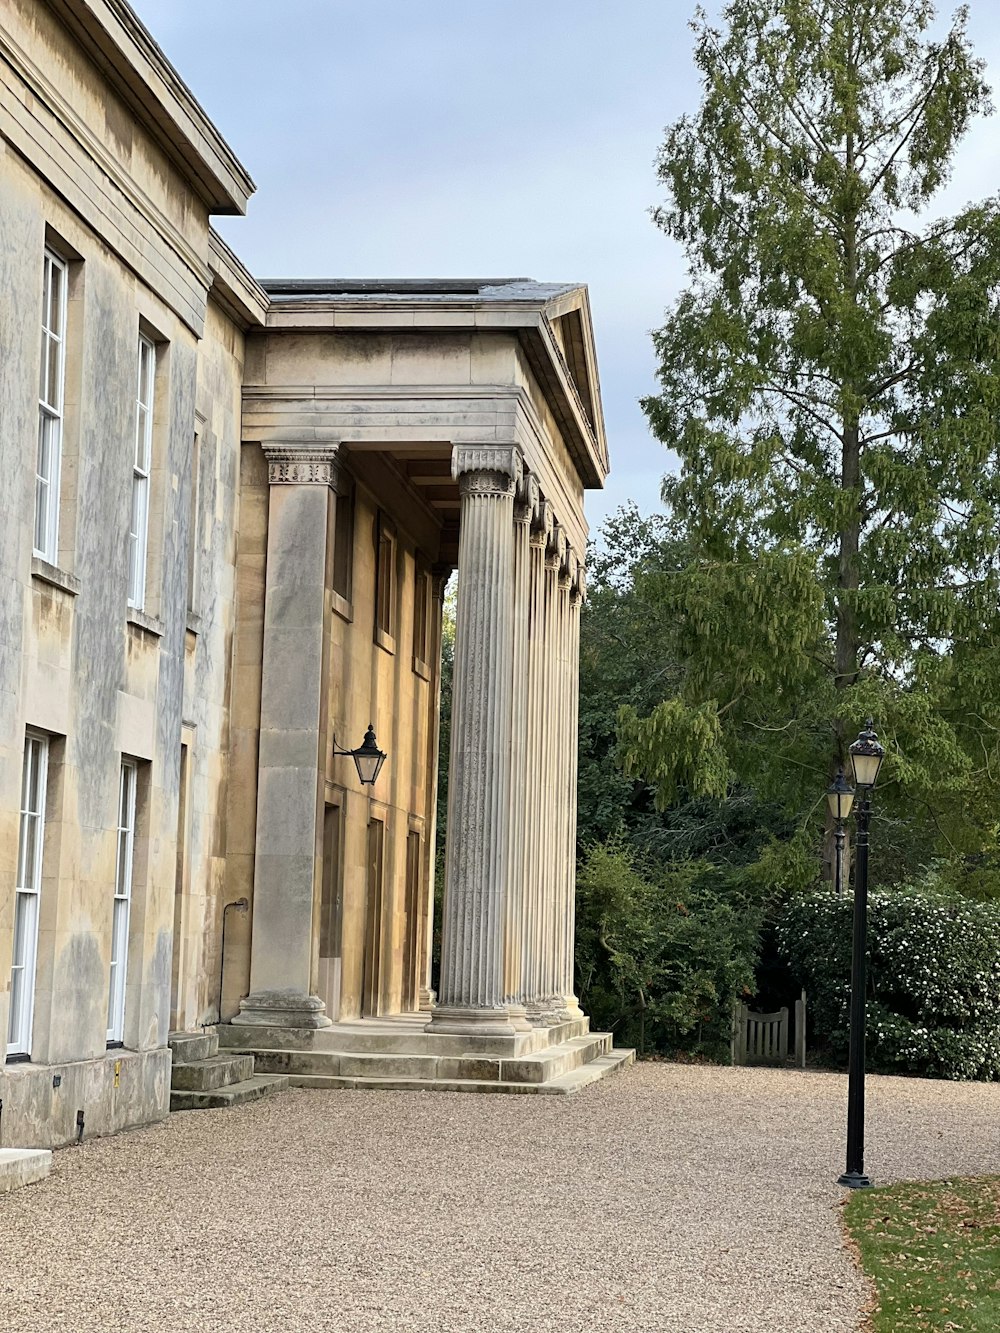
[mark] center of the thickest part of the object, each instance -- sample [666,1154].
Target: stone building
[229,511]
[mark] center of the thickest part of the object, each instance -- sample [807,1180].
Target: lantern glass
[368,758]
[866,757]
[841,798]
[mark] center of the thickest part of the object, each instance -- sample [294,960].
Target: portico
[471,411]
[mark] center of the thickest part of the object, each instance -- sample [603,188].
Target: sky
[477,138]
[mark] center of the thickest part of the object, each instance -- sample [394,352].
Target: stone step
[218,1071]
[563,1086]
[23,1166]
[236,1094]
[403,1035]
[557,1060]
[612,1063]
[190,1046]
[536,1069]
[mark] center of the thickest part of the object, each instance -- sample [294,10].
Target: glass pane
[43,369]
[58,284]
[33,775]
[23,919]
[29,877]
[16,1020]
[44,468]
[121,885]
[46,291]
[54,394]
[111,997]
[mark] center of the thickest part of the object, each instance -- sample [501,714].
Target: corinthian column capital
[307,465]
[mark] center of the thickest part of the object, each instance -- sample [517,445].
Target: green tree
[829,380]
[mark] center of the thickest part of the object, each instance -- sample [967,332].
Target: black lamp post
[368,758]
[866,758]
[840,795]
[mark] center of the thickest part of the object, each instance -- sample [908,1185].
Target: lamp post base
[855,1180]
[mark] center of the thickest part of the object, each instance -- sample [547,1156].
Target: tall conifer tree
[830,379]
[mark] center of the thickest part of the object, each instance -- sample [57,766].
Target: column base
[281,1009]
[518,1016]
[425,1005]
[548,1013]
[462,1022]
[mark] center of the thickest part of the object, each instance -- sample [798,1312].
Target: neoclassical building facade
[230,511]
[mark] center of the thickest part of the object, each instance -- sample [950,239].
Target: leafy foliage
[830,380]
[660,956]
[933,978]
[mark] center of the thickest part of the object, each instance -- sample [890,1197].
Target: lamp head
[840,795]
[368,758]
[866,757]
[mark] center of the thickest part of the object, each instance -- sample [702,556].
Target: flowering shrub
[933,978]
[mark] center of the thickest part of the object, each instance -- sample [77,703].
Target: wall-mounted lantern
[368,758]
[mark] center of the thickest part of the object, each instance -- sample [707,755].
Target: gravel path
[669,1197]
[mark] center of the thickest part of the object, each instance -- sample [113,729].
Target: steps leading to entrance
[202,1079]
[398,1054]
[23,1166]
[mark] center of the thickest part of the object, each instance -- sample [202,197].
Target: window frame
[51,407]
[386,591]
[128,784]
[27,897]
[142,466]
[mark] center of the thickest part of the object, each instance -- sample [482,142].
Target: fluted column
[471,996]
[291,760]
[541,1009]
[532,923]
[525,502]
[569,1006]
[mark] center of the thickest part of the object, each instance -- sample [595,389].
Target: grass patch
[932,1249]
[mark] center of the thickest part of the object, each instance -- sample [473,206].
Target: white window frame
[141,463]
[27,894]
[121,911]
[51,405]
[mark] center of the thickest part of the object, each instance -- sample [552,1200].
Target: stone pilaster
[291,759]
[441,575]
[525,505]
[472,983]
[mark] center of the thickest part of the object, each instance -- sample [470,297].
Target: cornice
[112,35]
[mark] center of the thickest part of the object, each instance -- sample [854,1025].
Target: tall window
[420,614]
[51,395]
[343,541]
[28,889]
[139,525]
[384,570]
[123,900]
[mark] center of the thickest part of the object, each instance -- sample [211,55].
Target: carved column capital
[292,465]
[555,550]
[487,469]
[440,574]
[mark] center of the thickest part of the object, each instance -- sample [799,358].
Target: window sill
[385,641]
[421,669]
[343,607]
[53,575]
[193,623]
[142,620]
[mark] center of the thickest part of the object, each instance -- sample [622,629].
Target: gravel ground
[668,1197]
